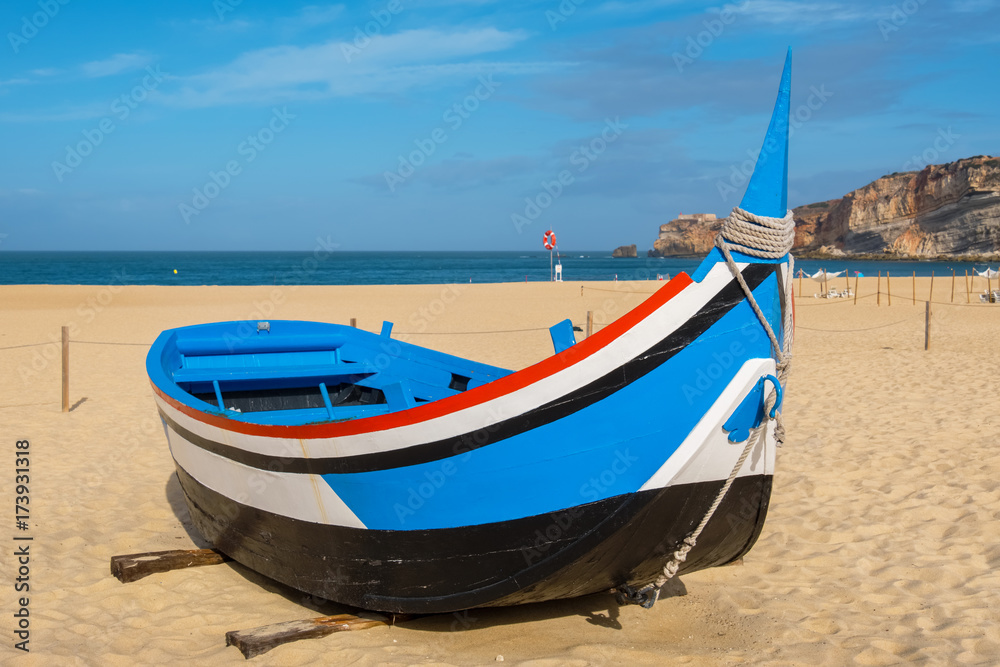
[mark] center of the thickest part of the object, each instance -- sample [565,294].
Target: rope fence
[881,326]
[588,329]
[615,291]
[842,301]
[15,347]
[467,333]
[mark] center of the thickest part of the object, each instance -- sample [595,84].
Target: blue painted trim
[386,329]
[562,336]
[749,414]
[326,399]
[778,398]
[218,394]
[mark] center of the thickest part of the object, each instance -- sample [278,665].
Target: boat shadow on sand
[599,609]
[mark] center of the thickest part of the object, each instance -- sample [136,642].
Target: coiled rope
[766,238]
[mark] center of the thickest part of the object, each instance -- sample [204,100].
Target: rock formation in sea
[943,210]
[626,251]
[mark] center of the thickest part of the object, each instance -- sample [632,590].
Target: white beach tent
[820,275]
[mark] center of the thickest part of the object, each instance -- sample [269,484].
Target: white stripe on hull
[706,453]
[300,496]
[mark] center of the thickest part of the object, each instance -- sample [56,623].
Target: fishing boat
[359,468]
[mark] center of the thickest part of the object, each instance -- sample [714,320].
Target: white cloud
[314,15]
[969,6]
[635,6]
[387,64]
[310,16]
[802,13]
[75,114]
[120,62]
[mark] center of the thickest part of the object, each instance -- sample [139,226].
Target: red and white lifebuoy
[549,240]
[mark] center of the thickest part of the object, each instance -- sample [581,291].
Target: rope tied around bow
[765,238]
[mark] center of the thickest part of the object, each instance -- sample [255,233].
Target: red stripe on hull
[468,399]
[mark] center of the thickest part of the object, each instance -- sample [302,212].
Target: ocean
[323,267]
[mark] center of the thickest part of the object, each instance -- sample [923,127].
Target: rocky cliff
[687,235]
[626,251]
[948,209]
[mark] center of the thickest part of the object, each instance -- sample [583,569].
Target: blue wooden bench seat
[255,373]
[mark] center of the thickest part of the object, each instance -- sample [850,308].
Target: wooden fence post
[65,369]
[878,291]
[590,323]
[968,290]
[953,285]
[927,327]
[888,287]
[914,288]
[855,288]
[930,297]
[354,322]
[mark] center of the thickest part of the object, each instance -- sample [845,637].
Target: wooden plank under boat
[362,469]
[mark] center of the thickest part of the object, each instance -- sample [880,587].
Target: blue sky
[449,124]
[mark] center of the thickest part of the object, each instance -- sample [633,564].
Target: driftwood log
[131,567]
[256,641]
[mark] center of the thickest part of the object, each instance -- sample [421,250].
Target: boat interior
[289,372]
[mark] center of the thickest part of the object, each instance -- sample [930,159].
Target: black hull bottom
[587,549]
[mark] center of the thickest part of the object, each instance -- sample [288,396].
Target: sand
[880,546]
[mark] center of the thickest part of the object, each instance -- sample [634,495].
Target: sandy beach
[880,546]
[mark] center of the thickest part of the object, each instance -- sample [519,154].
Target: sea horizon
[369,267]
